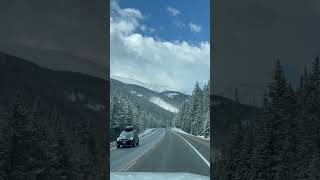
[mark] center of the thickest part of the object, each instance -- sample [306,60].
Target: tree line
[36,144]
[194,115]
[283,141]
[125,112]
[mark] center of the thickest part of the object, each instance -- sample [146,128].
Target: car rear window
[125,133]
[128,129]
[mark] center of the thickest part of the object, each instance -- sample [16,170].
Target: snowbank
[183,132]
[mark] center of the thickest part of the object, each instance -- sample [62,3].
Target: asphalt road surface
[163,150]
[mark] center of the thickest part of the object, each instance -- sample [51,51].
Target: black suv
[128,137]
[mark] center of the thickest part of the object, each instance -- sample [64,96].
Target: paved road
[164,150]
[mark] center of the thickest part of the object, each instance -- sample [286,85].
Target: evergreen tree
[85,160]
[263,150]
[235,142]
[15,155]
[61,164]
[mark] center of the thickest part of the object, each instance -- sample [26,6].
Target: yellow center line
[131,163]
[128,167]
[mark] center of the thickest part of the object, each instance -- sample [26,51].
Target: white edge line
[133,162]
[204,159]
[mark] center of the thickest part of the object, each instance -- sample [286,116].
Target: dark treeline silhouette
[49,123]
[283,141]
[37,146]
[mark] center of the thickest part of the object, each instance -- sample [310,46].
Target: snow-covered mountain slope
[170,101]
[150,86]
[160,102]
[172,94]
[153,87]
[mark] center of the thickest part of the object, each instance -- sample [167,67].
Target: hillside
[222,112]
[168,100]
[57,60]
[78,98]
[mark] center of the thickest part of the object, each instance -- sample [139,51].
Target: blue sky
[169,27]
[163,42]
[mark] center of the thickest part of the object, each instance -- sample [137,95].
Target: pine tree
[235,142]
[15,155]
[206,109]
[263,150]
[85,161]
[278,94]
[40,141]
[117,115]
[60,151]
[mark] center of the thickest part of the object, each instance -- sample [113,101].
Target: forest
[194,115]
[128,109]
[283,141]
[49,123]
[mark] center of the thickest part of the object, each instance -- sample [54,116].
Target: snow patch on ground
[170,95]
[183,132]
[135,93]
[180,131]
[160,102]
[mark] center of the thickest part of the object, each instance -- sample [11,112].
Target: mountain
[153,87]
[150,86]
[222,112]
[169,100]
[76,96]
[57,60]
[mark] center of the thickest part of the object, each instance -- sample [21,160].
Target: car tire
[133,144]
[118,146]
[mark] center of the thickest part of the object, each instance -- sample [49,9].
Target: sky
[250,34]
[76,27]
[160,42]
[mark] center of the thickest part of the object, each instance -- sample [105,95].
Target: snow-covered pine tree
[262,157]
[85,161]
[40,141]
[117,114]
[199,114]
[15,157]
[235,141]
[278,94]
[309,117]
[206,109]
[60,151]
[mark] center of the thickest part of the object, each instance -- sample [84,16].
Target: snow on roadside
[183,132]
[170,95]
[180,131]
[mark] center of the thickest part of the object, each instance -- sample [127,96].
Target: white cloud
[148,59]
[172,11]
[195,28]
[145,28]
